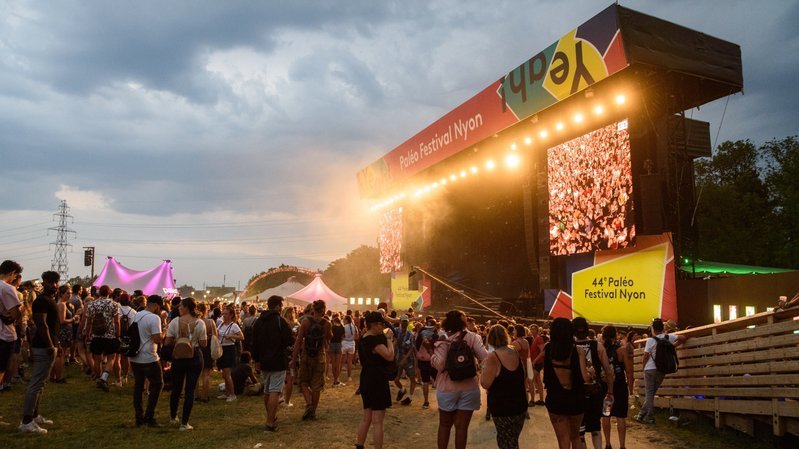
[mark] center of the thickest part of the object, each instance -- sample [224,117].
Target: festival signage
[584,56]
[629,286]
[403,297]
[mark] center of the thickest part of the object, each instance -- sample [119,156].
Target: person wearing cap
[376,351]
[404,353]
[146,365]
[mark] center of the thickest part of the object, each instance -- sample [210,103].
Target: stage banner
[403,297]
[584,56]
[629,286]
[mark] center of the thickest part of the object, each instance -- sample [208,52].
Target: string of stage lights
[512,159]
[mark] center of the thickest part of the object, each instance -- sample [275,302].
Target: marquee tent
[290,286]
[157,281]
[317,289]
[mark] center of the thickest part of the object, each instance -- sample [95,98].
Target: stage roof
[617,46]
[704,267]
[156,281]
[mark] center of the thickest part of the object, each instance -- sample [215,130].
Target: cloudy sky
[225,136]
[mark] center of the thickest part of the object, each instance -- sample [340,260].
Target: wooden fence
[739,372]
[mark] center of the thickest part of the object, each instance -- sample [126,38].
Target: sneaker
[103,385]
[540,403]
[222,396]
[118,383]
[186,426]
[31,427]
[151,423]
[272,428]
[426,405]
[406,401]
[531,404]
[174,421]
[400,394]
[281,400]
[231,398]
[309,414]
[41,420]
[290,404]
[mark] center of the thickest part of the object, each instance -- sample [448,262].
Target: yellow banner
[402,296]
[627,289]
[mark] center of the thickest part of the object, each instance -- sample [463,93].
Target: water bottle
[607,405]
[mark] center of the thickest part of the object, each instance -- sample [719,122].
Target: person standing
[348,344]
[272,337]
[229,335]
[406,361]
[43,348]
[375,350]
[504,379]
[10,313]
[335,349]
[652,376]
[102,319]
[599,387]
[457,399]
[77,308]
[146,365]
[623,375]
[537,361]
[313,337]
[187,369]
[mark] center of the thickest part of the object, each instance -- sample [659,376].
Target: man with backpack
[145,333]
[660,359]
[272,337]
[102,318]
[313,337]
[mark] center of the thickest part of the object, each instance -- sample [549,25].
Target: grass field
[86,417]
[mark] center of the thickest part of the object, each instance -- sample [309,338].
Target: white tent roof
[317,289]
[290,286]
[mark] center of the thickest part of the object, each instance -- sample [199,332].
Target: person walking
[623,375]
[189,331]
[504,379]
[458,398]
[271,340]
[146,365]
[376,351]
[43,348]
[102,320]
[652,376]
[405,353]
[313,337]
[10,313]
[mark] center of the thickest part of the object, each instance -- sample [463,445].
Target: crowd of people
[389,241]
[590,192]
[173,344]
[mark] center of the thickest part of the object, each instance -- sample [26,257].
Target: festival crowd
[390,241]
[173,345]
[590,192]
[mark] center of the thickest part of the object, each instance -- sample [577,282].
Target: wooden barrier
[738,371]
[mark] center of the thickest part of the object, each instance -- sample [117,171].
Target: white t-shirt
[129,312]
[197,334]
[651,349]
[8,300]
[228,329]
[149,325]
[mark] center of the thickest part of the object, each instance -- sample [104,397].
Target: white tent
[317,289]
[290,286]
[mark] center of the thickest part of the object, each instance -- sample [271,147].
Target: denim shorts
[273,381]
[450,401]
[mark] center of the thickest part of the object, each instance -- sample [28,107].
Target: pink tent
[317,289]
[157,281]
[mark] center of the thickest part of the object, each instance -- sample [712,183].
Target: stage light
[463,173]
[443,181]
[453,178]
[513,146]
[559,126]
[598,110]
[578,118]
[426,189]
[473,169]
[418,193]
[543,134]
[490,164]
[512,160]
[620,99]
[528,140]
[435,185]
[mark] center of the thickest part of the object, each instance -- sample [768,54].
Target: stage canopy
[157,281]
[317,289]
[285,289]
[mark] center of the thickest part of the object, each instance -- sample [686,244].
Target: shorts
[312,371]
[593,413]
[273,381]
[426,371]
[450,401]
[6,349]
[208,362]
[347,347]
[334,348]
[228,359]
[408,369]
[104,346]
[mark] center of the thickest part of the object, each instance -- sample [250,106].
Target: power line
[60,262]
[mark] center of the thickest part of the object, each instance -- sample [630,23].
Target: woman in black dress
[376,351]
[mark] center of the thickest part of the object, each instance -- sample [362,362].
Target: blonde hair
[498,336]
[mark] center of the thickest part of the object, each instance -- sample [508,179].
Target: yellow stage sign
[402,296]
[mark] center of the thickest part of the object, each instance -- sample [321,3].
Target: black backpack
[460,360]
[130,343]
[314,339]
[124,323]
[666,360]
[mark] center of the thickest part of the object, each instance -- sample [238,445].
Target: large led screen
[390,241]
[590,192]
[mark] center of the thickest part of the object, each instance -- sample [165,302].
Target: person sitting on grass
[244,380]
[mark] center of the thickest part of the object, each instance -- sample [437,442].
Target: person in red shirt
[537,358]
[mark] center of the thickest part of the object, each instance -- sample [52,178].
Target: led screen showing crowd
[390,241]
[590,192]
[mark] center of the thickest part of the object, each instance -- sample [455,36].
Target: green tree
[357,274]
[782,179]
[735,213]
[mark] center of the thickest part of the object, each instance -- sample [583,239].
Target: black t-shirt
[240,375]
[368,344]
[46,304]
[338,333]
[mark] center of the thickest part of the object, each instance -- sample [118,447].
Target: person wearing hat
[405,357]
[146,365]
[376,351]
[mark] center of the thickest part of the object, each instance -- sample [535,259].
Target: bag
[460,360]
[315,339]
[99,326]
[666,360]
[216,348]
[130,344]
[124,324]
[183,349]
